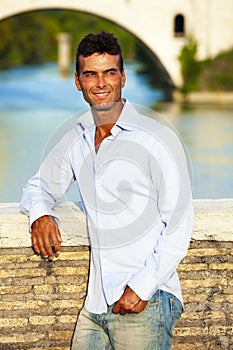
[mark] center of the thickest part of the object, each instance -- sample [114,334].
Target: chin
[104,106]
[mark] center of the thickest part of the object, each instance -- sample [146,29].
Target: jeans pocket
[176,310]
[154,301]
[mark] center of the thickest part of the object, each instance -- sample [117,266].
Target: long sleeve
[176,212]
[44,190]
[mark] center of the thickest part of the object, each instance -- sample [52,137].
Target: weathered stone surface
[40,300]
[14,226]
[213,221]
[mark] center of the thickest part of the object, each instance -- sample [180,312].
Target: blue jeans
[152,329]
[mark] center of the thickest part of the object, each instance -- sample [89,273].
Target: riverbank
[204,97]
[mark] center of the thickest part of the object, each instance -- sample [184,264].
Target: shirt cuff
[39,210]
[144,284]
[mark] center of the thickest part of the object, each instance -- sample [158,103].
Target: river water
[35,101]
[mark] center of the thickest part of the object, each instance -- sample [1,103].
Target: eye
[111,72]
[88,74]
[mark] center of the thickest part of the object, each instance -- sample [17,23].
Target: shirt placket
[100,169]
[96,281]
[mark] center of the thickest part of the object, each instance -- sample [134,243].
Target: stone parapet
[40,300]
[205,97]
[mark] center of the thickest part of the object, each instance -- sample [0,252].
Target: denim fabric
[152,329]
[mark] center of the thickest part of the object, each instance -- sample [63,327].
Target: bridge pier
[64,54]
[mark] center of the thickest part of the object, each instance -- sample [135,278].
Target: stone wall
[40,300]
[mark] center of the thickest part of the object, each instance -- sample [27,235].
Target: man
[135,190]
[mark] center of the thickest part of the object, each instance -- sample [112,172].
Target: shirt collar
[86,121]
[129,119]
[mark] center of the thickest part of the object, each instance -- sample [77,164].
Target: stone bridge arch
[153,22]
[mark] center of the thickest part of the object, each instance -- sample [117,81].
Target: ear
[123,78]
[77,82]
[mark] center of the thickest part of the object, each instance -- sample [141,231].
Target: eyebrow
[111,69]
[87,71]
[106,71]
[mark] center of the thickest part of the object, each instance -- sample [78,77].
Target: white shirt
[136,196]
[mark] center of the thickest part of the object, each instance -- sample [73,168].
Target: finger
[35,244]
[56,240]
[44,245]
[140,307]
[116,308]
[38,244]
[59,235]
[44,242]
[122,311]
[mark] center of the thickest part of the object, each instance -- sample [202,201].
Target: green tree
[217,73]
[30,38]
[190,67]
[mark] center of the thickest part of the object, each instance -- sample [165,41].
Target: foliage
[217,73]
[190,67]
[30,38]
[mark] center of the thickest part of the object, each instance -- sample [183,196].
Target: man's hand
[46,237]
[129,303]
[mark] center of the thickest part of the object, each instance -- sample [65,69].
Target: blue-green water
[34,101]
[207,131]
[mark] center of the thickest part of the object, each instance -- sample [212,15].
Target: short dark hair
[101,42]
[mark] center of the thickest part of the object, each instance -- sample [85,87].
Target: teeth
[101,93]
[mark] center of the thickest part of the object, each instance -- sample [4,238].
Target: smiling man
[136,194]
[101,77]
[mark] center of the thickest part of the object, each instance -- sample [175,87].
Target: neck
[106,118]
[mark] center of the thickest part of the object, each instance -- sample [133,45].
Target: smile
[101,94]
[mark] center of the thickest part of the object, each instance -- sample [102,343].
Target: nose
[101,83]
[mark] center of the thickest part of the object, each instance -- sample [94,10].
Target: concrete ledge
[205,97]
[14,226]
[213,222]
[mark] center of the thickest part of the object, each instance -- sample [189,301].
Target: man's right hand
[46,237]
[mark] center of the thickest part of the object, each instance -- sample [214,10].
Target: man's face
[100,80]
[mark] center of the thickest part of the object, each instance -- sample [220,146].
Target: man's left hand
[129,302]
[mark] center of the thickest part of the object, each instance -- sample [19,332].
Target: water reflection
[207,132]
[34,101]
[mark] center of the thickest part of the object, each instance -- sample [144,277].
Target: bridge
[162,26]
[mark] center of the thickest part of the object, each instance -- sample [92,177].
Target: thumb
[59,235]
